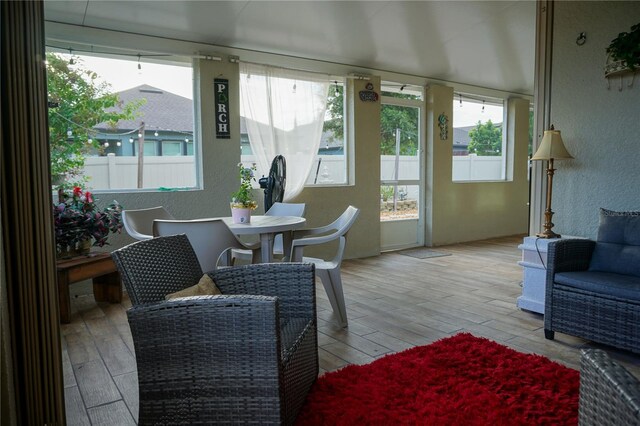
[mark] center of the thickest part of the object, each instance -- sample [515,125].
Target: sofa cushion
[619,227]
[618,246]
[617,285]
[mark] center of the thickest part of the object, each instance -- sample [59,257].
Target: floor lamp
[551,148]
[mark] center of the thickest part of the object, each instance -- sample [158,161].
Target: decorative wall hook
[443,122]
[582,39]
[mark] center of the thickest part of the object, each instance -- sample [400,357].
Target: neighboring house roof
[461,135]
[162,111]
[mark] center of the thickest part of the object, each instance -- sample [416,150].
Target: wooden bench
[107,286]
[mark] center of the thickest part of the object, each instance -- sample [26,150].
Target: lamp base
[548,234]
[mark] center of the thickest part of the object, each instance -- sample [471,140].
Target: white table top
[265,224]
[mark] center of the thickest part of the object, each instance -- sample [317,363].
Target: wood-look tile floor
[394,302]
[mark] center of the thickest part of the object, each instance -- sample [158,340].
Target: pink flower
[89,197]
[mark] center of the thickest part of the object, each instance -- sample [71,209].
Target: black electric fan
[274,184]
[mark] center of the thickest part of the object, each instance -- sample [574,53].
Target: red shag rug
[459,380]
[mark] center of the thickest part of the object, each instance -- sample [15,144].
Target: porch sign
[221,87]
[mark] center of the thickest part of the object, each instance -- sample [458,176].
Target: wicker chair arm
[292,283]
[229,327]
[609,394]
[570,255]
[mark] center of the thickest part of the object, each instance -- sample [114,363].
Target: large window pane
[330,163]
[478,140]
[103,107]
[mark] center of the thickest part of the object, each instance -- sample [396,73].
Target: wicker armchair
[248,356]
[592,312]
[609,394]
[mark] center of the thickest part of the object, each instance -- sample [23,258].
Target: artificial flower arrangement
[77,219]
[243,197]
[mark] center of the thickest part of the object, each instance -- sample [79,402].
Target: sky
[123,74]
[470,112]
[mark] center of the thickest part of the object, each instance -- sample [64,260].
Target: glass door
[401,159]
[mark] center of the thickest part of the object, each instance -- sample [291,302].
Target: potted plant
[78,221]
[624,51]
[242,202]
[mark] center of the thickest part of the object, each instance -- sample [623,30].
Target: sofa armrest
[569,255]
[609,394]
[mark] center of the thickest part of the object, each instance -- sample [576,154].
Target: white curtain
[284,113]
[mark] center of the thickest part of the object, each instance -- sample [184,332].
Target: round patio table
[267,227]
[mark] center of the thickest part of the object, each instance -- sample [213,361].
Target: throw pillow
[619,227]
[205,287]
[618,245]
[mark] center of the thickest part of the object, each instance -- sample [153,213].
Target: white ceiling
[484,43]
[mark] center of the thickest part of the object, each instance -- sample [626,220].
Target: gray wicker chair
[609,394]
[594,315]
[248,356]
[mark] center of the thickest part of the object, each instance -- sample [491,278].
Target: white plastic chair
[211,239]
[327,270]
[139,223]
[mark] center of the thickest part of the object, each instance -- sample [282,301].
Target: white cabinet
[534,262]
[534,265]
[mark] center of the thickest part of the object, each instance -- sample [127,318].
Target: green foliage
[486,139]
[83,103]
[391,118]
[335,112]
[243,197]
[626,47]
[386,192]
[394,117]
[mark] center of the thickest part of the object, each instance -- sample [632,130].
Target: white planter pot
[240,215]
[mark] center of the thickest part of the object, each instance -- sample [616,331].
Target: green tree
[486,139]
[405,119]
[78,102]
[335,112]
[391,118]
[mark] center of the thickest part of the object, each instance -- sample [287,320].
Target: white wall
[600,127]
[468,211]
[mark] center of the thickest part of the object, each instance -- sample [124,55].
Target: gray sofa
[593,287]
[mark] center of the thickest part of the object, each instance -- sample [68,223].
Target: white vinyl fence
[112,172]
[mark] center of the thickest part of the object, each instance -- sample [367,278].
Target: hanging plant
[626,47]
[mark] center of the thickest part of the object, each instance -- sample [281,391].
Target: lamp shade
[551,147]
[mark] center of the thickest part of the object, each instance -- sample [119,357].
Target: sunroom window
[104,106]
[329,162]
[478,138]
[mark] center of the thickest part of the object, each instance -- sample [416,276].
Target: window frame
[507,153]
[186,61]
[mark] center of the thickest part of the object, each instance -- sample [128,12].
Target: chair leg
[332,282]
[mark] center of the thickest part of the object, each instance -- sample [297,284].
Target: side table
[534,265]
[98,266]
